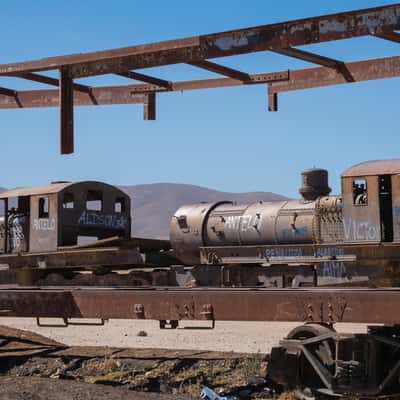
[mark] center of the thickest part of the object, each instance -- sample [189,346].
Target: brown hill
[153,205]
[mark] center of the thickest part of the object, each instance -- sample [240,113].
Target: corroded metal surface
[292,305]
[374,167]
[381,22]
[49,217]
[373,21]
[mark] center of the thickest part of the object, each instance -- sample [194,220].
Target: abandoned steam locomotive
[360,227]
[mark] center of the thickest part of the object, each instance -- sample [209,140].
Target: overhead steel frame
[281,38]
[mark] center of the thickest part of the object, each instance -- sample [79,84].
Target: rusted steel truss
[308,305]
[197,51]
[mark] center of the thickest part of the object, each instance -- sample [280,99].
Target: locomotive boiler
[361,226]
[315,218]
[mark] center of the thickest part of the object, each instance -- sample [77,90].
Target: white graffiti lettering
[243,222]
[105,220]
[44,224]
[334,269]
[285,252]
[355,230]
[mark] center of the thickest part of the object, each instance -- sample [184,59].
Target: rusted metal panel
[71,259]
[35,190]
[310,305]
[361,222]
[280,35]
[66,112]
[378,254]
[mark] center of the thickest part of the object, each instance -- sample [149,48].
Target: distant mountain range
[153,205]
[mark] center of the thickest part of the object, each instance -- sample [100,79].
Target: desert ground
[243,337]
[136,360]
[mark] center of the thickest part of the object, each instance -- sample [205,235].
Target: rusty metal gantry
[281,38]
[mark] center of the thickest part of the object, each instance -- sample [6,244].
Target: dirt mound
[32,388]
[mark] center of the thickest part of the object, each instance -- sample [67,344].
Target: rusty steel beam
[281,81]
[392,36]
[106,95]
[50,81]
[272,101]
[372,21]
[289,305]
[8,92]
[222,70]
[387,67]
[66,112]
[317,59]
[145,78]
[149,107]
[128,94]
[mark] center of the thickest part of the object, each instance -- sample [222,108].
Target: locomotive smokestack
[314,183]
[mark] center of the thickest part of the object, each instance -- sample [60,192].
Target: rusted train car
[65,224]
[359,228]
[45,218]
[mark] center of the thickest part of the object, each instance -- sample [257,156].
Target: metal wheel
[308,331]
[317,358]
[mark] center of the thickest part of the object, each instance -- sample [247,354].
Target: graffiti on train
[331,269]
[16,233]
[284,252]
[44,224]
[358,230]
[243,222]
[97,218]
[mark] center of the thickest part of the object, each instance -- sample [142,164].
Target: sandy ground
[248,337]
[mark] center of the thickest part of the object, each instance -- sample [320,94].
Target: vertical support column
[315,275]
[149,107]
[6,227]
[66,112]
[272,99]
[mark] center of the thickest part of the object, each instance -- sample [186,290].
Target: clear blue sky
[220,138]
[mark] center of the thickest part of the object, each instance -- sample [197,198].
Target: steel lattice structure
[282,38]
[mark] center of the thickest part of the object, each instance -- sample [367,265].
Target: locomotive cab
[371,202]
[46,218]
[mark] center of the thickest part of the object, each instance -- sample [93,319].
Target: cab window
[360,192]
